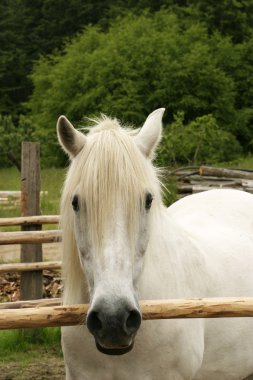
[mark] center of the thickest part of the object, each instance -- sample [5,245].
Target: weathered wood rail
[29,220]
[30,237]
[43,302]
[68,315]
[16,194]
[27,267]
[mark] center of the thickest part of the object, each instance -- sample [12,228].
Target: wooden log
[216,182]
[198,308]
[223,172]
[183,171]
[247,183]
[28,220]
[158,309]
[201,188]
[184,189]
[207,179]
[27,267]
[44,302]
[193,188]
[30,237]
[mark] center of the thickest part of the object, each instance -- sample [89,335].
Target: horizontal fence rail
[16,193]
[30,237]
[27,267]
[29,220]
[159,309]
[31,303]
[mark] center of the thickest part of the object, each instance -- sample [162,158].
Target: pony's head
[110,194]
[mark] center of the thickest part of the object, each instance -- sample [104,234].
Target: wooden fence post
[31,282]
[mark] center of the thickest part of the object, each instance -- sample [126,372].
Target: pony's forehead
[111,163]
[102,124]
[105,123]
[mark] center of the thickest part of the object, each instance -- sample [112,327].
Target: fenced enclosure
[31,235]
[33,311]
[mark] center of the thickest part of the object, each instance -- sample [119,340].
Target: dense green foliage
[193,57]
[142,63]
[12,134]
[202,140]
[51,185]
[29,29]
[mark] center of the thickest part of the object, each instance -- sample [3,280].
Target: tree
[30,29]
[232,18]
[200,141]
[12,136]
[139,64]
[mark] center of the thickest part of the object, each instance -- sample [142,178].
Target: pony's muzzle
[114,332]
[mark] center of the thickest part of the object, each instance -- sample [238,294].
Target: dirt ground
[45,368]
[10,282]
[9,253]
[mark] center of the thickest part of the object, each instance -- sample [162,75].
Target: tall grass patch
[51,183]
[13,342]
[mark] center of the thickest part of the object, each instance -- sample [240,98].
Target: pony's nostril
[94,323]
[133,321]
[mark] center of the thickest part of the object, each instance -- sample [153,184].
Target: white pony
[120,244]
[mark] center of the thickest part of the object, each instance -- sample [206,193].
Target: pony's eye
[75,203]
[148,201]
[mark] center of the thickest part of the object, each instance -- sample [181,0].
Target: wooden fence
[29,237]
[33,315]
[51,312]
[33,312]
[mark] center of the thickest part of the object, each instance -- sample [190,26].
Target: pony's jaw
[115,351]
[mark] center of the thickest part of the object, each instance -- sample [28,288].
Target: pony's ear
[71,140]
[150,134]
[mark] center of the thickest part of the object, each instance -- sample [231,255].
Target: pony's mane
[109,173]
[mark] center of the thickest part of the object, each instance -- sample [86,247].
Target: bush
[12,135]
[140,64]
[200,141]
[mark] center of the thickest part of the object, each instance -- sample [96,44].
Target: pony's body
[202,246]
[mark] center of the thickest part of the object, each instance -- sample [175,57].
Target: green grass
[13,342]
[9,179]
[243,163]
[51,182]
